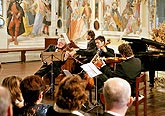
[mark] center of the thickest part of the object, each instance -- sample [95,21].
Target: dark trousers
[48,70]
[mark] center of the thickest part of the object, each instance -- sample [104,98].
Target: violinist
[129,69]
[88,53]
[45,70]
[91,47]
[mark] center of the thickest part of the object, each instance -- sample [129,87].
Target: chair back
[141,94]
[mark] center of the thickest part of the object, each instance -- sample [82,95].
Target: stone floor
[155,99]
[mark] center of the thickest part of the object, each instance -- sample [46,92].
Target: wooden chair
[141,94]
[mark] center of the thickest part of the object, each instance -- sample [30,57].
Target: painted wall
[86,14]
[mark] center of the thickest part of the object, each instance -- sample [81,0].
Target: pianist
[128,69]
[45,70]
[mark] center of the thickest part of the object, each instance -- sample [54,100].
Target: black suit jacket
[128,70]
[89,52]
[109,53]
[107,114]
[45,70]
[91,49]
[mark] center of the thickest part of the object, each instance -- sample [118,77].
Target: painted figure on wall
[123,16]
[87,13]
[109,23]
[68,15]
[47,19]
[116,16]
[131,18]
[80,20]
[29,16]
[15,16]
[39,6]
[126,15]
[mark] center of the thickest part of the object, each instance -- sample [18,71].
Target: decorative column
[155,4]
[53,27]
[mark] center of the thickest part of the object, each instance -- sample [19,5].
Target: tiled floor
[155,99]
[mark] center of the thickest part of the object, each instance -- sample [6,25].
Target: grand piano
[151,53]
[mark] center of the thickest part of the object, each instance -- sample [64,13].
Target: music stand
[92,71]
[50,57]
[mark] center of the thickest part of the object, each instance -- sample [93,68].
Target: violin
[114,59]
[110,60]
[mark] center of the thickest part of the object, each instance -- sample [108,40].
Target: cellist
[103,51]
[45,70]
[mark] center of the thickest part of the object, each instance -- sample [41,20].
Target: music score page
[91,69]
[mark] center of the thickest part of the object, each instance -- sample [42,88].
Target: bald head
[116,92]
[5,102]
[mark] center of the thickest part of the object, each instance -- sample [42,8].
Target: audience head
[61,43]
[100,41]
[71,93]
[13,85]
[32,88]
[90,35]
[5,102]
[117,95]
[125,50]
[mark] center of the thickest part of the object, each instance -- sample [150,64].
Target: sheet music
[91,69]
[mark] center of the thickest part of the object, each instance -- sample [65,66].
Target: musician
[88,53]
[103,51]
[129,69]
[45,70]
[91,47]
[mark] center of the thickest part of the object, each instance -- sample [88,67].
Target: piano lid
[158,45]
[133,40]
[137,45]
[154,43]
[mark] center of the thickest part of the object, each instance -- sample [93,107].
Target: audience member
[13,85]
[32,88]
[117,97]
[69,98]
[45,70]
[5,102]
[129,69]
